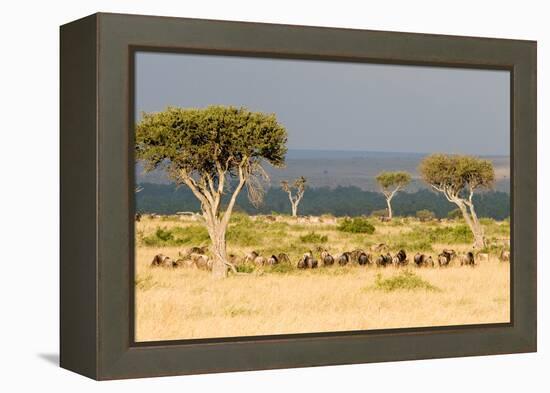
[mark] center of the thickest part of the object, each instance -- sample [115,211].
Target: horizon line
[394,152]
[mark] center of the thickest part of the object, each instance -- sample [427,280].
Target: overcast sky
[341,106]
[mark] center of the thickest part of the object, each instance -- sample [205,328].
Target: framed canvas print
[241,196]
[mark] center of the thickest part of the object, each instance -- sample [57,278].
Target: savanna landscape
[174,303]
[281,196]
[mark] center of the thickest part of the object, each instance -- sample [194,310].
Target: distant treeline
[340,201]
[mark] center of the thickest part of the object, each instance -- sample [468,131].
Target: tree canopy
[209,141]
[393,179]
[299,184]
[452,174]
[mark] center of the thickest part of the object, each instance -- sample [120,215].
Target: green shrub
[245,268]
[425,215]
[313,237]
[405,280]
[356,225]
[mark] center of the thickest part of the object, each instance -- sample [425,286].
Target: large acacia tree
[214,151]
[299,187]
[391,183]
[458,177]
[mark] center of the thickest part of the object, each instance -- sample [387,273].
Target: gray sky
[341,106]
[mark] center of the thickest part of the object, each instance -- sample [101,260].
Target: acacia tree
[391,183]
[458,177]
[213,151]
[299,186]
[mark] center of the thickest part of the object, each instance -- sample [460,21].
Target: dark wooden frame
[97,196]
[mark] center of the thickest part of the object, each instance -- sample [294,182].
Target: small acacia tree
[391,183]
[458,177]
[299,186]
[213,150]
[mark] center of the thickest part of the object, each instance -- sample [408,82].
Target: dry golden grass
[184,304]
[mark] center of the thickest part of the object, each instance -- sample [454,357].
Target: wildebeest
[138,217]
[423,260]
[260,261]
[354,255]
[364,259]
[283,258]
[326,258]
[184,262]
[161,260]
[467,259]
[307,261]
[344,258]
[445,257]
[272,260]
[312,263]
[504,255]
[302,264]
[251,256]
[384,260]
[449,251]
[400,258]
[201,261]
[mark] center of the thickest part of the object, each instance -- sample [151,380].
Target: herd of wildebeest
[379,256]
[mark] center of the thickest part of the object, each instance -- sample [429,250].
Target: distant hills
[334,168]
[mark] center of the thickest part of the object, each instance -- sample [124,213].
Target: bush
[245,268]
[356,225]
[425,215]
[405,280]
[313,237]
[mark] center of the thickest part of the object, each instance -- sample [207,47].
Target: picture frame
[97,196]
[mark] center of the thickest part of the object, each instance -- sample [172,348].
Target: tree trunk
[219,251]
[473,223]
[294,209]
[479,237]
[390,213]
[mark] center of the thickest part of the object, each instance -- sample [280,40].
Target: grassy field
[188,303]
